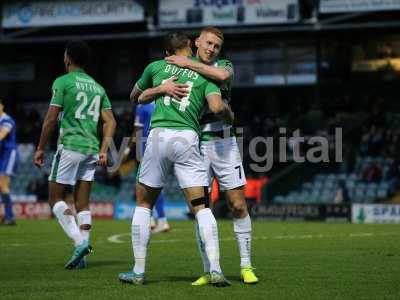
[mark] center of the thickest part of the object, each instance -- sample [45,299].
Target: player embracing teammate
[219,148]
[172,147]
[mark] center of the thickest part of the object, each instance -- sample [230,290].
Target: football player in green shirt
[226,166]
[173,148]
[79,103]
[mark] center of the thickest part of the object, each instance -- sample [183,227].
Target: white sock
[140,237]
[242,229]
[202,250]
[84,218]
[67,222]
[209,236]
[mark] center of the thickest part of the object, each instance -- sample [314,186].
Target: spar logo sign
[375,213]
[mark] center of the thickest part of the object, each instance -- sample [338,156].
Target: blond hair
[214,31]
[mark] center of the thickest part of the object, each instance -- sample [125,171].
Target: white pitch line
[293,237]
[116,238]
[361,234]
[122,238]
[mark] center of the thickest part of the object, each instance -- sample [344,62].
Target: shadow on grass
[102,263]
[187,279]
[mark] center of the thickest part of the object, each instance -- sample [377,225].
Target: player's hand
[38,158]
[175,90]
[102,159]
[180,61]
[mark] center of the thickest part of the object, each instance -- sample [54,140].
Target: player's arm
[219,107]
[49,125]
[109,125]
[135,93]
[219,74]
[144,82]
[5,130]
[50,121]
[216,104]
[169,87]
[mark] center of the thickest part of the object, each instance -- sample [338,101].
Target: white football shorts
[170,151]
[69,166]
[223,161]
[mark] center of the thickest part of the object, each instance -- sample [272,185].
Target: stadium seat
[319,177]
[370,196]
[359,195]
[332,177]
[307,186]
[315,196]
[318,185]
[279,199]
[352,177]
[384,185]
[329,185]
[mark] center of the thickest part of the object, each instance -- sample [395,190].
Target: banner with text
[194,13]
[302,212]
[375,213]
[41,210]
[343,6]
[74,12]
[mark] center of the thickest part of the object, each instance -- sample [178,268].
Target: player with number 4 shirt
[219,148]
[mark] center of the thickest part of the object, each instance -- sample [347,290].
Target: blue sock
[8,213]
[160,206]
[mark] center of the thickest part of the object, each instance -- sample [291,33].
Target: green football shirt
[169,112]
[81,100]
[211,126]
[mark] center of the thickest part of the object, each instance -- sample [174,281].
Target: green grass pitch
[293,261]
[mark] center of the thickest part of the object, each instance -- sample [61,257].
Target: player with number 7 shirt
[78,103]
[172,147]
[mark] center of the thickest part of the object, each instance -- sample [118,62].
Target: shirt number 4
[184,102]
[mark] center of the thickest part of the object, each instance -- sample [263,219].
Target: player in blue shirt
[8,161]
[142,117]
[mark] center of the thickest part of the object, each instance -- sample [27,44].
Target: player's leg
[162,223]
[82,189]
[196,198]
[8,165]
[191,173]
[243,232]
[5,196]
[145,198]
[84,217]
[152,174]
[64,172]
[204,279]
[227,166]
[241,224]
[63,213]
